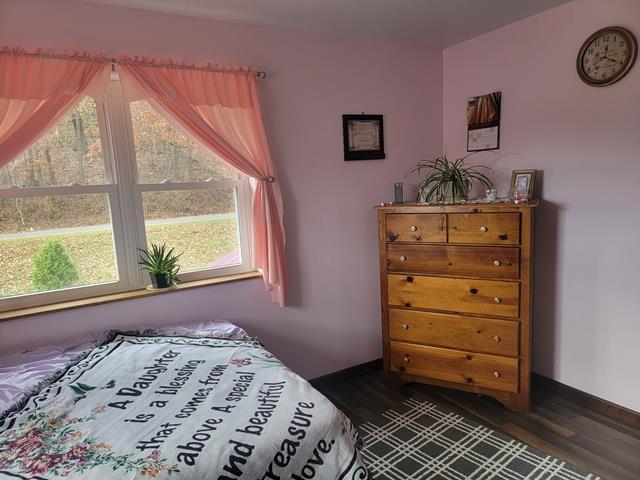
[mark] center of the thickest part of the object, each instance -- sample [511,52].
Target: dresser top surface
[412,207]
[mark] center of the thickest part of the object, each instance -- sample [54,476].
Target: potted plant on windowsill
[161,265]
[448,182]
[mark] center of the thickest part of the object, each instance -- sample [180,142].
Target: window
[111,178]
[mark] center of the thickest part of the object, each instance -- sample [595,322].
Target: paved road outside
[96,228]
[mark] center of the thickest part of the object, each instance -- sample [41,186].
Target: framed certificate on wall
[363,137]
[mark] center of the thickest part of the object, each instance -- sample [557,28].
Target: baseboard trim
[347,374]
[586,400]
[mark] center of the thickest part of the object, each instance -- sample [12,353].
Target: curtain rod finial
[261,75]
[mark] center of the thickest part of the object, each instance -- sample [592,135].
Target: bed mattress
[184,403]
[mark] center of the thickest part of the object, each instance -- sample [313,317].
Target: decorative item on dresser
[522,185]
[448,181]
[456,296]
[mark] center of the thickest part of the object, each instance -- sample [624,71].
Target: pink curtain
[222,111]
[36,92]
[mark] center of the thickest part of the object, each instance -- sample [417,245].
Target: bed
[197,402]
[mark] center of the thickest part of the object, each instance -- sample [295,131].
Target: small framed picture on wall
[483,122]
[522,185]
[363,137]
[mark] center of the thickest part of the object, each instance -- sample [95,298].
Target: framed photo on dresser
[522,185]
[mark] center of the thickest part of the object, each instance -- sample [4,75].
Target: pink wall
[333,320]
[587,142]
[584,139]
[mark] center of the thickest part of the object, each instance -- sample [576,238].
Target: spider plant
[161,265]
[448,181]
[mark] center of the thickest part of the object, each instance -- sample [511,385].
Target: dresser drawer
[465,333]
[484,228]
[419,227]
[489,371]
[488,262]
[484,297]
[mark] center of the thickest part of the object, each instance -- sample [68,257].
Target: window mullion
[245,210]
[131,222]
[27,192]
[106,144]
[170,186]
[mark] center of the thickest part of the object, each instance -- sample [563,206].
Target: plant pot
[159,280]
[448,195]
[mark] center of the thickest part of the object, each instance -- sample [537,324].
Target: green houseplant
[161,265]
[448,181]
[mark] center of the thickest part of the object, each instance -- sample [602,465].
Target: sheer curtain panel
[36,91]
[221,110]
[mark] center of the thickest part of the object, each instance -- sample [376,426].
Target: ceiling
[435,23]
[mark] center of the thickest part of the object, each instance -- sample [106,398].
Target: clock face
[606,56]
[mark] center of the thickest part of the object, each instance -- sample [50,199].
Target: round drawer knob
[497,339]
[497,299]
[497,374]
[483,229]
[497,263]
[413,228]
[405,326]
[403,258]
[406,359]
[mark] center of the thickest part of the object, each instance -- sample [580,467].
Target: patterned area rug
[420,440]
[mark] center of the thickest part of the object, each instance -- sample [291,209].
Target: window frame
[124,196]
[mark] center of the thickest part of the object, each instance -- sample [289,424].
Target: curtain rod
[113,61]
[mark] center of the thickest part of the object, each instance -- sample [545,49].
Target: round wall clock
[606,56]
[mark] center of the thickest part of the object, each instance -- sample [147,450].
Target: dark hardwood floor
[588,440]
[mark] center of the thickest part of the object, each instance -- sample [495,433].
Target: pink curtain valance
[42,74]
[219,107]
[37,91]
[199,85]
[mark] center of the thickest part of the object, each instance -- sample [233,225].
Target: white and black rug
[420,440]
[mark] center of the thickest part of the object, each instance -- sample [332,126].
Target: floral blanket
[146,406]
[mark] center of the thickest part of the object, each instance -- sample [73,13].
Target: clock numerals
[606,56]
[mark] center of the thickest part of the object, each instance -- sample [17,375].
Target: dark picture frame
[363,137]
[483,122]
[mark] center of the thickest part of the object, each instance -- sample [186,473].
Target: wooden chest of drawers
[456,296]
